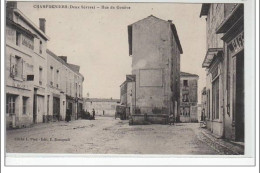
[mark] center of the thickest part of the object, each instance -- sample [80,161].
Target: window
[79,91]
[185,98]
[24,104]
[10,104]
[40,75]
[185,83]
[18,38]
[51,82]
[76,89]
[58,79]
[48,106]
[40,47]
[70,88]
[16,67]
[186,111]
[215,99]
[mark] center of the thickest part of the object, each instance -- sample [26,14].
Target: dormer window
[185,83]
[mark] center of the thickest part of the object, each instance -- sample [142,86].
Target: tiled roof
[63,62]
[173,28]
[188,74]
[101,100]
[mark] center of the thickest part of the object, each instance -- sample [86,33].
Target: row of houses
[102,106]
[223,96]
[40,85]
[156,86]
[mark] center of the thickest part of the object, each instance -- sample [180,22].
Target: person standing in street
[93,113]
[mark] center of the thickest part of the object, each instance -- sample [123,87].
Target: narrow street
[105,135]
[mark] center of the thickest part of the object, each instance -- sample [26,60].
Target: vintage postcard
[164,79]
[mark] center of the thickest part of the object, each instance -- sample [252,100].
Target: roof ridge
[186,73]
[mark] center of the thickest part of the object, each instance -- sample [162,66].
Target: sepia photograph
[125,78]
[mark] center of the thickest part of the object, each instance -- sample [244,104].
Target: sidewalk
[222,146]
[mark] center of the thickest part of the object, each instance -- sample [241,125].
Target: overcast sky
[97,39]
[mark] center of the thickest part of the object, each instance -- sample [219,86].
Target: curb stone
[223,147]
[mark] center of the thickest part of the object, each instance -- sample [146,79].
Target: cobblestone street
[105,135]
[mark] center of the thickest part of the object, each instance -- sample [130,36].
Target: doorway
[35,106]
[239,97]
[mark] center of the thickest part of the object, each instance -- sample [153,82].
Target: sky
[97,39]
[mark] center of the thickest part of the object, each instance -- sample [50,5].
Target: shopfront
[233,29]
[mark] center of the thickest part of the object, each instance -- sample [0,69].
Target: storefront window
[208,104]
[10,104]
[215,99]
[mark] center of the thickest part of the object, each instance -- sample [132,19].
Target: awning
[235,16]
[212,54]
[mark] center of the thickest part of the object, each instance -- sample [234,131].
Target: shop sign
[10,34]
[27,42]
[20,85]
[237,43]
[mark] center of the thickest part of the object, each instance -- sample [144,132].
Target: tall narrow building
[155,49]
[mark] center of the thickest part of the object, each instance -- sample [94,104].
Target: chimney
[11,4]
[42,24]
[64,58]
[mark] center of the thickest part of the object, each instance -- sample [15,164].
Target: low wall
[18,122]
[184,119]
[140,119]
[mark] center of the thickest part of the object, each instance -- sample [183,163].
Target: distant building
[189,97]
[126,94]
[25,60]
[155,49]
[65,88]
[102,106]
[224,62]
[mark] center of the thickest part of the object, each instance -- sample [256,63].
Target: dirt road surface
[105,135]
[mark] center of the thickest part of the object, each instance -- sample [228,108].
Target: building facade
[25,69]
[36,89]
[102,106]
[188,97]
[65,87]
[155,49]
[224,62]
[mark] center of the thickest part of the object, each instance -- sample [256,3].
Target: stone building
[224,62]
[65,87]
[25,71]
[155,49]
[188,97]
[102,106]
